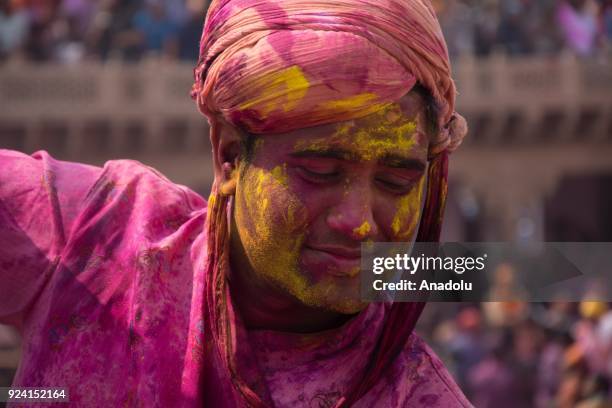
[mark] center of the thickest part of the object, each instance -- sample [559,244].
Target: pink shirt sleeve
[39,199]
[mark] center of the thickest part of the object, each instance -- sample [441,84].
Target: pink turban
[274,66]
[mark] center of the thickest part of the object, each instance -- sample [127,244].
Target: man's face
[308,198]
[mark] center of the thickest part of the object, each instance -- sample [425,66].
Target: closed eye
[397,184]
[317,174]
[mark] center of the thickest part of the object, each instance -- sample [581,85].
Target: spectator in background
[569,392]
[69,47]
[80,13]
[467,346]
[111,35]
[486,18]
[596,389]
[492,381]
[578,23]
[585,332]
[549,368]
[512,34]
[506,377]
[526,347]
[43,16]
[584,382]
[456,20]
[604,340]
[545,32]
[176,11]
[189,36]
[506,297]
[156,32]
[525,26]
[14,25]
[606,22]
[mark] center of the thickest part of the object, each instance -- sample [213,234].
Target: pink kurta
[101,269]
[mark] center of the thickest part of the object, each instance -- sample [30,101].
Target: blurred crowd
[73,30]
[515,354]
[525,27]
[69,31]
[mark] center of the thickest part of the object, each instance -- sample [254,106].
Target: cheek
[271,222]
[267,204]
[407,213]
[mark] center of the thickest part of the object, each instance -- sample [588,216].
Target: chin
[348,306]
[322,290]
[336,303]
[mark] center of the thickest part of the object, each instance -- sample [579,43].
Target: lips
[334,260]
[339,251]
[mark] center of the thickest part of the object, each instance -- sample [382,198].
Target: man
[330,126]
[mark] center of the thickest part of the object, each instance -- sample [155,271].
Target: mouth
[339,261]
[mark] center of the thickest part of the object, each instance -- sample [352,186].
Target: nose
[352,216]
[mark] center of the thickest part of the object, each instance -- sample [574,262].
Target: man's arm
[39,199]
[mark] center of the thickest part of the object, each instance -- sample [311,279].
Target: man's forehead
[365,146]
[399,127]
[409,108]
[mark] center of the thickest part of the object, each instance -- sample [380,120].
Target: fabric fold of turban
[276,66]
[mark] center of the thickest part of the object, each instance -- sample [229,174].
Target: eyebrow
[397,161]
[389,160]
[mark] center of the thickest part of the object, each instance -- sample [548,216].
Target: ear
[225,140]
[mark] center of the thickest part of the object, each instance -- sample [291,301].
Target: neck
[268,309]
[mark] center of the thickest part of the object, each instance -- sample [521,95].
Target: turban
[272,66]
[276,66]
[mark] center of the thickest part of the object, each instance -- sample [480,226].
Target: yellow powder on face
[283,89]
[390,132]
[408,213]
[344,128]
[386,131]
[272,224]
[280,174]
[273,234]
[363,229]
[272,240]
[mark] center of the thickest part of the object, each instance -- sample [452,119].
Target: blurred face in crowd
[305,200]
[578,4]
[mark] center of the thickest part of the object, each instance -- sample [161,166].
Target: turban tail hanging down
[274,66]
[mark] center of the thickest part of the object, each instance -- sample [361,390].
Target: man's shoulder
[134,223]
[75,184]
[133,180]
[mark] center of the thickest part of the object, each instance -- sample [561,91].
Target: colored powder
[283,89]
[280,174]
[351,102]
[272,224]
[363,229]
[390,132]
[408,212]
[271,234]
